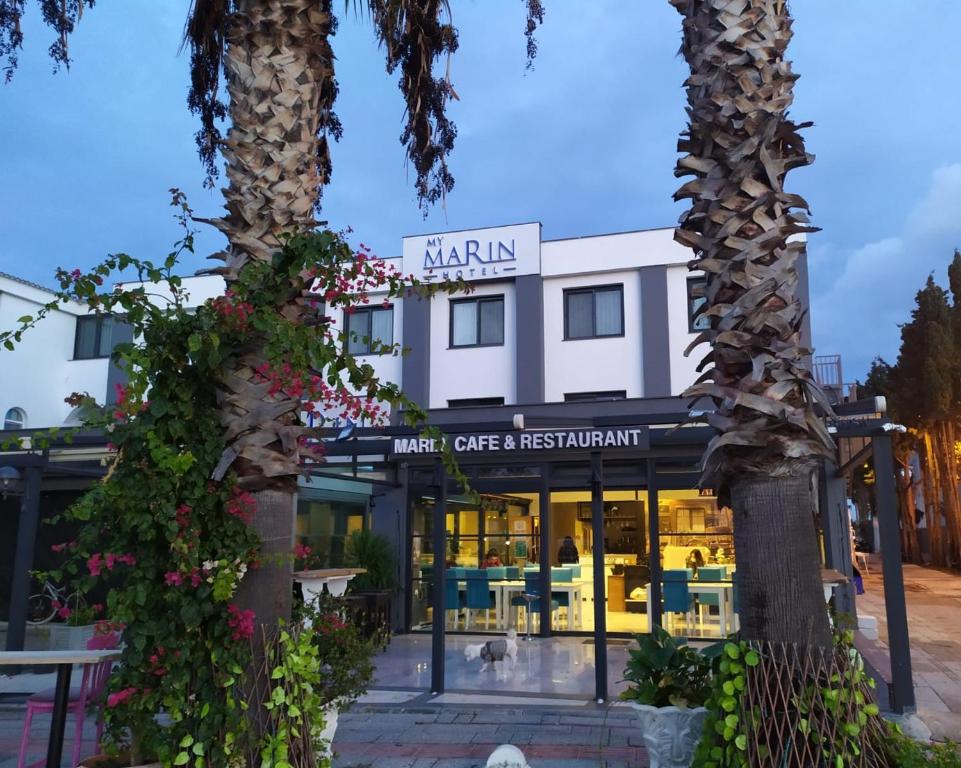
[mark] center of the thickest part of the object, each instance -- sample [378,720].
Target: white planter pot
[671,734]
[330,728]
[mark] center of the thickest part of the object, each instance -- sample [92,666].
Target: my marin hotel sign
[475,254]
[507,443]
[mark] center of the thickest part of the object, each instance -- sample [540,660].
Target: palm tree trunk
[743,228]
[776,546]
[280,80]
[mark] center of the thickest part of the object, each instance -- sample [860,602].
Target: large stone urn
[671,734]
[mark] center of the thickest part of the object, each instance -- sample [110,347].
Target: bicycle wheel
[40,608]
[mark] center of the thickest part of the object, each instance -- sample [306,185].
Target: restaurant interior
[493,561]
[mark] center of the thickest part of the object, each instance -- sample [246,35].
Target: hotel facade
[556,380]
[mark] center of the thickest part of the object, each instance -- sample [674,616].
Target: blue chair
[575,570]
[677,596]
[531,587]
[456,573]
[710,573]
[513,572]
[563,575]
[479,595]
[453,601]
[497,573]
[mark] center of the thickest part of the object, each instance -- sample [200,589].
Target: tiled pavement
[934,623]
[424,736]
[419,735]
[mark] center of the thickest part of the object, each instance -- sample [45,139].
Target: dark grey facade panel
[415,370]
[122,333]
[655,339]
[529,317]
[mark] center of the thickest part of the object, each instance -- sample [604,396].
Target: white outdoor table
[335,579]
[64,661]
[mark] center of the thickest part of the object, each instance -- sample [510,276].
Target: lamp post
[27,483]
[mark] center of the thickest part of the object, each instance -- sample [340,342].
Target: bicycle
[44,605]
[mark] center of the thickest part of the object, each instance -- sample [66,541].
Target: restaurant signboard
[528,441]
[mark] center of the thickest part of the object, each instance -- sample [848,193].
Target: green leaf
[182,758]
[741,742]
[194,342]
[752,659]
[25,319]
[186,741]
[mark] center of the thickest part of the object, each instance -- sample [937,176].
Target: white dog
[502,649]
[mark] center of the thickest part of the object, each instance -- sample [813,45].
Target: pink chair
[91,690]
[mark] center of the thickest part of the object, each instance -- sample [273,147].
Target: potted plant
[346,668]
[370,591]
[670,682]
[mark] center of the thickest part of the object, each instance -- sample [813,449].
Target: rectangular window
[477,322]
[581,397]
[474,402]
[369,330]
[93,337]
[594,312]
[696,300]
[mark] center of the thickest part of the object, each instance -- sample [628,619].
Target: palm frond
[205,34]
[414,34]
[61,16]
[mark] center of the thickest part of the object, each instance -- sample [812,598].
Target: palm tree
[278,63]
[744,230]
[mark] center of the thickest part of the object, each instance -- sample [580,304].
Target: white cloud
[866,293]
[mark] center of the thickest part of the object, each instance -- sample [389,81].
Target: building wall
[472,372]
[592,365]
[40,372]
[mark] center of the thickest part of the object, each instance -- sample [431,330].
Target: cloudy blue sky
[584,143]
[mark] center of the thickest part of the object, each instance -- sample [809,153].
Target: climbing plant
[168,529]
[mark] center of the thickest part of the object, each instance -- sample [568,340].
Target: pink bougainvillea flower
[120,697]
[241,622]
[302,551]
[173,579]
[95,564]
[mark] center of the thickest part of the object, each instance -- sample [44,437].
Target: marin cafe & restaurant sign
[505,443]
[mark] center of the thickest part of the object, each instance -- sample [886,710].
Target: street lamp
[9,481]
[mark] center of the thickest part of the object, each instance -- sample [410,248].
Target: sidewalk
[417,734]
[424,735]
[934,625]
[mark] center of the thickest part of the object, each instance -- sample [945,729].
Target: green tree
[745,229]
[924,387]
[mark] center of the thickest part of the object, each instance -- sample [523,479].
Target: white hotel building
[558,380]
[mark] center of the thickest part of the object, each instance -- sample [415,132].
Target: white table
[64,661]
[507,590]
[724,590]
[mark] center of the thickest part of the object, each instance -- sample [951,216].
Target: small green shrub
[373,552]
[908,753]
[664,672]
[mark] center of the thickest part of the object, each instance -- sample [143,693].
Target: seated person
[492,559]
[695,560]
[567,554]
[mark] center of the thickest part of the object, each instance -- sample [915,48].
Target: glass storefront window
[698,564]
[325,524]
[497,533]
